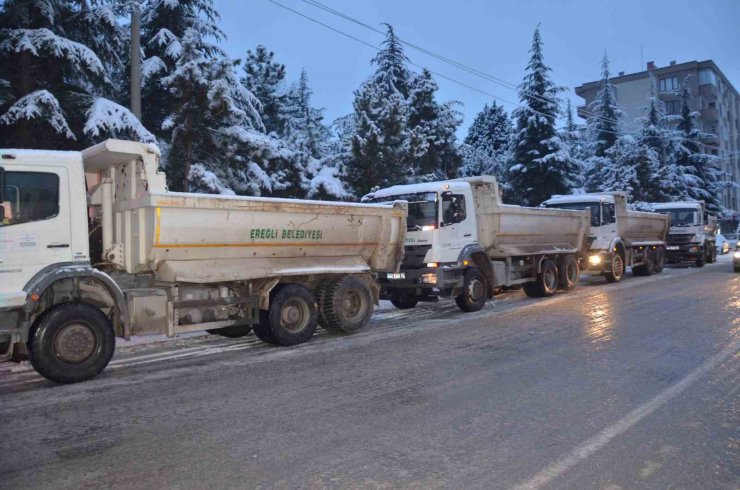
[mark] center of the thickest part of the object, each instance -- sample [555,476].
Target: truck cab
[439,227]
[692,235]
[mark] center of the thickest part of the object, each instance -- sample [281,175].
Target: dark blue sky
[492,36]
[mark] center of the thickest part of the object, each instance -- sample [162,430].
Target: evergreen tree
[433,149]
[264,78]
[380,145]
[488,143]
[603,122]
[163,27]
[542,167]
[704,177]
[57,58]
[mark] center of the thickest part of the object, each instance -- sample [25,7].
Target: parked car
[732,239]
[723,245]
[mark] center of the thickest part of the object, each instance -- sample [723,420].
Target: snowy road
[611,386]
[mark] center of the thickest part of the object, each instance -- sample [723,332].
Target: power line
[446,77]
[469,69]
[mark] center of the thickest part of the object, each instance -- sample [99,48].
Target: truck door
[35,230]
[455,229]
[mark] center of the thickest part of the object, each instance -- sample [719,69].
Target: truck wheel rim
[549,279]
[353,305]
[294,315]
[475,290]
[74,343]
[572,272]
[617,266]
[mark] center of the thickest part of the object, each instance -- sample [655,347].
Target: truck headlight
[594,259]
[693,249]
[736,254]
[430,278]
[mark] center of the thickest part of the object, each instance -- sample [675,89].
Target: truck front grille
[414,256]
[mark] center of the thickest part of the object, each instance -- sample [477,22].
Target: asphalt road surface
[634,385]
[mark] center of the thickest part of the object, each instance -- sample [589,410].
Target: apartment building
[713,97]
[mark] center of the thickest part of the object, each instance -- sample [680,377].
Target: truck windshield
[594,207]
[422,208]
[681,217]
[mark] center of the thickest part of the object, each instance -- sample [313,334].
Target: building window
[707,76]
[673,107]
[668,84]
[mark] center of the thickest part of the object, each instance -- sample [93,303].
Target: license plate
[672,247]
[396,275]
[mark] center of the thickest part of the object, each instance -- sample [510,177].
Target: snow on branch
[39,105]
[108,118]
[150,67]
[37,41]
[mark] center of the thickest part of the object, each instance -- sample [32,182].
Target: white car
[723,245]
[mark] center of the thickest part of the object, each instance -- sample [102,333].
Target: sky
[490,36]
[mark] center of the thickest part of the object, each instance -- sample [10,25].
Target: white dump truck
[129,258]
[462,241]
[619,237]
[693,233]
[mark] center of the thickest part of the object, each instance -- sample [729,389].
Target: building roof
[658,71]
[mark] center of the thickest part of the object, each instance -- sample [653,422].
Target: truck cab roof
[574,198]
[678,205]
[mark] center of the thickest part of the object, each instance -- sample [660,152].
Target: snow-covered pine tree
[704,177]
[487,146]
[604,118]
[541,165]
[433,142]
[572,137]
[264,78]
[380,144]
[660,179]
[218,142]
[163,26]
[56,63]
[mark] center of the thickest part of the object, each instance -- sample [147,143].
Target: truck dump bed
[208,238]
[639,228]
[508,231]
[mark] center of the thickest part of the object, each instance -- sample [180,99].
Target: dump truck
[130,258]
[693,233]
[463,242]
[619,237]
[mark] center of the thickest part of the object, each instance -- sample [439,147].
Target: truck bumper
[428,281]
[688,252]
[588,266]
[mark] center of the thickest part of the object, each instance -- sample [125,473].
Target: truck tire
[616,269]
[473,295]
[712,255]
[321,295]
[71,342]
[659,263]
[231,332]
[546,283]
[568,273]
[646,268]
[348,305]
[405,301]
[291,319]
[701,260]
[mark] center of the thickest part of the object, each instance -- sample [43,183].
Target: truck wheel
[646,268]
[659,263]
[71,342]
[473,295]
[546,283]
[291,319]
[616,270]
[405,301]
[231,332]
[321,295]
[712,255]
[701,261]
[348,305]
[568,273]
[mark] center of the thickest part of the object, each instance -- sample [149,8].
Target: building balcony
[708,91]
[710,115]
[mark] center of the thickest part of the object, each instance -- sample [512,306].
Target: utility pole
[135,59]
